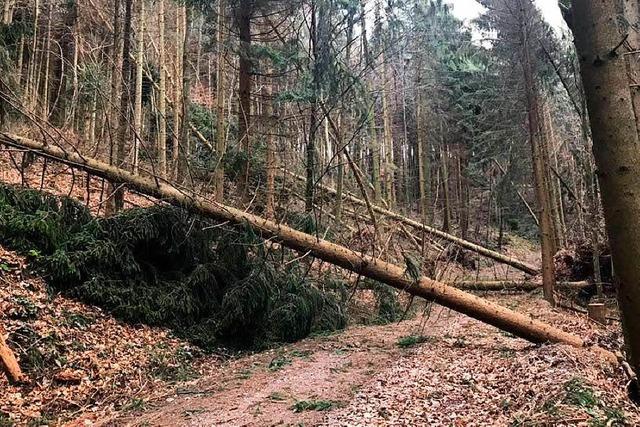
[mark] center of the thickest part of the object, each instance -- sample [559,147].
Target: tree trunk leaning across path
[601,51]
[504,259]
[489,312]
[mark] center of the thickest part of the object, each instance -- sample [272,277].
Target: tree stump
[598,312]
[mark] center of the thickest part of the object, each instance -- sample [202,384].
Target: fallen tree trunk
[8,360]
[489,312]
[499,285]
[497,256]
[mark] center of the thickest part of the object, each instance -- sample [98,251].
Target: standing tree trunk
[446,198]
[243,17]
[387,142]
[424,170]
[220,128]
[270,166]
[374,146]
[547,238]
[162,94]
[7,12]
[184,144]
[125,101]
[137,115]
[112,118]
[615,148]
[337,210]
[47,61]
[319,49]
[632,20]
[177,88]
[30,88]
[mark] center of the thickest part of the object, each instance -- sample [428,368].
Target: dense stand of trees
[475,130]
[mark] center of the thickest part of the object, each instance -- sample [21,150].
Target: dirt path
[464,373]
[262,389]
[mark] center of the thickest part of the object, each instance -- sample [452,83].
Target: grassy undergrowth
[212,284]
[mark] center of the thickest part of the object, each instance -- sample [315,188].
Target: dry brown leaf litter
[477,376]
[78,359]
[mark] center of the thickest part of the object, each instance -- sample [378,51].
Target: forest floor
[436,368]
[440,369]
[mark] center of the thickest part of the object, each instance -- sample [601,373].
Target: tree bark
[424,169]
[374,145]
[270,161]
[184,145]
[243,17]
[137,115]
[547,239]
[177,87]
[220,118]
[125,103]
[615,148]
[446,199]
[162,94]
[30,87]
[486,311]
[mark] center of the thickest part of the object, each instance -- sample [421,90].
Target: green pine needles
[212,284]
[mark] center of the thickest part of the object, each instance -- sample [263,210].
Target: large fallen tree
[519,324]
[497,256]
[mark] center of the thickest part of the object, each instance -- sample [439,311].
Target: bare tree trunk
[137,115]
[177,88]
[244,12]
[446,214]
[31,90]
[270,163]
[318,40]
[389,167]
[424,168]
[615,148]
[547,238]
[47,61]
[220,117]
[125,101]
[20,61]
[547,141]
[337,209]
[162,93]
[113,119]
[7,12]
[184,144]
[632,18]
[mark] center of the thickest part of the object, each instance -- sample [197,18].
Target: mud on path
[464,373]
